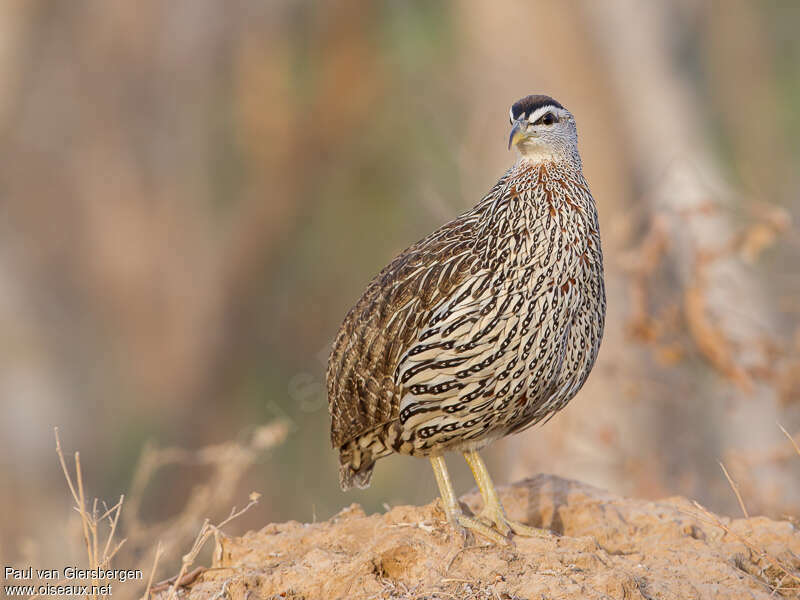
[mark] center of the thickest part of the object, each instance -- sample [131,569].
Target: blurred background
[193,194]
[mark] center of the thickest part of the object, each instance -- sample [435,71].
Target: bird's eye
[546,119]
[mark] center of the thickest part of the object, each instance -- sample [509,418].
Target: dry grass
[780,574]
[206,531]
[735,490]
[101,526]
[748,466]
[92,520]
[228,462]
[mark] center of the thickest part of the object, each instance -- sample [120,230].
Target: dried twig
[187,579]
[228,462]
[205,532]
[90,520]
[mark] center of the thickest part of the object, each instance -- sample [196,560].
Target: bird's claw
[467,525]
[495,517]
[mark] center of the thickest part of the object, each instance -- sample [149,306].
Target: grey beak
[515,135]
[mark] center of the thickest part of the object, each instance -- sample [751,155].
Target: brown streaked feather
[485,327]
[381,327]
[386,321]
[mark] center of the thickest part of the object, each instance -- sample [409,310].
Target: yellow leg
[453,511]
[492,508]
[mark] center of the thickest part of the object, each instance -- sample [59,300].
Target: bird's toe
[472,525]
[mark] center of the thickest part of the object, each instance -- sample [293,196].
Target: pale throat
[535,154]
[538,153]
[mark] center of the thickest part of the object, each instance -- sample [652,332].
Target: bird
[485,327]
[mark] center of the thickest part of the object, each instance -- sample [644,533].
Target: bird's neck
[536,172]
[533,157]
[553,189]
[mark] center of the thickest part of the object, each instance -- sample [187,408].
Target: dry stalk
[227,462]
[90,520]
[791,439]
[157,556]
[710,518]
[735,490]
[100,527]
[781,456]
[202,537]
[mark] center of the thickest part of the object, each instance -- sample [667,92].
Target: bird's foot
[465,524]
[495,517]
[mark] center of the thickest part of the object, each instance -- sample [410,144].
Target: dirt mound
[596,545]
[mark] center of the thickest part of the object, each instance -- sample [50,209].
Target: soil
[594,545]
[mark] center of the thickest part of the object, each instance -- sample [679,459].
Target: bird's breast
[491,356]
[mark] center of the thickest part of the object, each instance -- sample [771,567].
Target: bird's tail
[355,466]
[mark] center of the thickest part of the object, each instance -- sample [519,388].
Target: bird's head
[542,129]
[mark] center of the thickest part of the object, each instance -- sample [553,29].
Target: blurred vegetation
[195,192]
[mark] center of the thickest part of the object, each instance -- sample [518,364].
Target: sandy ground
[594,545]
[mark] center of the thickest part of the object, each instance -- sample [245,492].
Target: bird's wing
[386,321]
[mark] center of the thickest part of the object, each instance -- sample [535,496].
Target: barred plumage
[485,327]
